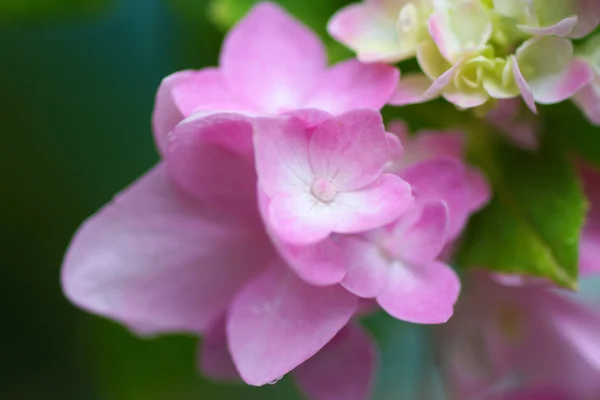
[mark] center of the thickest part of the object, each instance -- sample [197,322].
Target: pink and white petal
[439,85]
[551,71]
[523,85]
[420,234]
[277,322]
[448,180]
[300,219]
[214,359]
[206,90]
[367,267]
[423,294]
[271,60]
[453,37]
[343,370]
[368,30]
[350,85]
[337,149]
[588,100]
[282,154]
[323,263]
[561,28]
[212,158]
[411,90]
[375,205]
[166,113]
[157,261]
[466,99]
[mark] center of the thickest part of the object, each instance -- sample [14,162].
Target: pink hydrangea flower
[270,63]
[327,176]
[184,249]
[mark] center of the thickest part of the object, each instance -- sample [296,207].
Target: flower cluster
[471,51]
[283,209]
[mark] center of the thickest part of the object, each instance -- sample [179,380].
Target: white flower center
[324,190]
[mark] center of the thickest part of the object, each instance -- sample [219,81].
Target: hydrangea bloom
[471,51]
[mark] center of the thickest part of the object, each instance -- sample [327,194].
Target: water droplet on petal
[274,381]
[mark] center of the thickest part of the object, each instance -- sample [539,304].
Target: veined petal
[271,60]
[372,206]
[420,234]
[422,294]
[277,322]
[282,154]
[368,269]
[158,261]
[212,158]
[350,85]
[337,149]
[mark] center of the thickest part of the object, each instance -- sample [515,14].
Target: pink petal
[447,179]
[579,324]
[420,233]
[565,84]
[369,30]
[281,150]
[158,261]
[373,206]
[206,90]
[166,113]
[300,219]
[523,86]
[351,84]
[425,294]
[214,359]
[411,90]
[552,74]
[588,100]
[277,322]
[367,267]
[271,60]
[322,263]
[212,158]
[561,28]
[337,149]
[589,245]
[343,370]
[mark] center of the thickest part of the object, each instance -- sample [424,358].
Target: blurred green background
[78,79]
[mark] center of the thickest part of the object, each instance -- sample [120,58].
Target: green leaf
[532,225]
[314,13]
